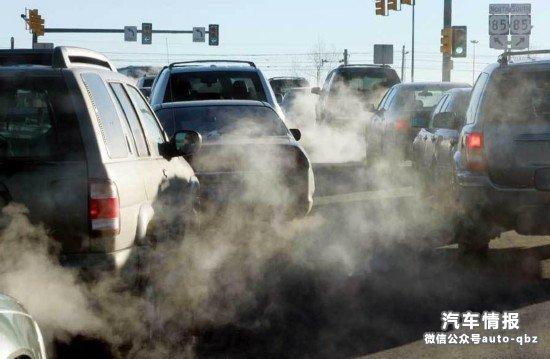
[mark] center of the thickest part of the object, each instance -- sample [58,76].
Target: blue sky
[278,35]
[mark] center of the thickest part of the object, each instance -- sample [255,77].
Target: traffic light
[146,33]
[407,2]
[460,41]
[447,41]
[36,23]
[381,7]
[392,5]
[213,35]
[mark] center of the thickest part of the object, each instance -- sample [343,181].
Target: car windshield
[214,85]
[36,118]
[519,96]
[417,99]
[214,121]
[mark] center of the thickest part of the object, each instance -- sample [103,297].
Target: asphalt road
[370,278]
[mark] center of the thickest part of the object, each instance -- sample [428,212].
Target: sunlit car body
[434,146]
[20,336]
[404,109]
[247,155]
[502,163]
[83,151]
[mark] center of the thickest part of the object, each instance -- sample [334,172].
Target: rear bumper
[525,210]
[111,261]
[230,188]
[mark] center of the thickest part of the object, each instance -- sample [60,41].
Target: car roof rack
[363,65]
[190,63]
[61,57]
[287,77]
[504,59]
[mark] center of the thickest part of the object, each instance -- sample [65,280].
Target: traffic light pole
[447,22]
[412,47]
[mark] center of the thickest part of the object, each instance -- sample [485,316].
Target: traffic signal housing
[392,5]
[381,7]
[447,41]
[213,35]
[460,41]
[36,23]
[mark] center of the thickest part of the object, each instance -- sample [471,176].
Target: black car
[502,164]
[434,146]
[350,87]
[248,154]
[404,110]
[281,85]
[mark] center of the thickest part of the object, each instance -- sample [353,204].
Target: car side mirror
[296,133]
[279,98]
[316,90]
[186,143]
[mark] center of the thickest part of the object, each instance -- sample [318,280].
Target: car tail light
[475,156]
[104,208]
[403,126]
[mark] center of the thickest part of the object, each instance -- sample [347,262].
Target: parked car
[435,145]
[144,84]
[83,151]
[212,80]
[502,163]
[248,154]
[403,111]
[20,336]
[281,85]
[299,107]
[346,87]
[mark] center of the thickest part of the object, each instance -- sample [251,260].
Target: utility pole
[346,57]
[447,23]
[474,42]
[412,55]
[12,43]
[403,53]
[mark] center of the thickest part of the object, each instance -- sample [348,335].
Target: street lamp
[474,42]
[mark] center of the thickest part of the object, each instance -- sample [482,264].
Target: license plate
[542,179]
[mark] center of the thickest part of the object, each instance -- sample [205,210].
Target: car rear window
[214,85]
[518,96]
[367,79]
[37,119]
[417,99]
[214,121]
[281,86]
